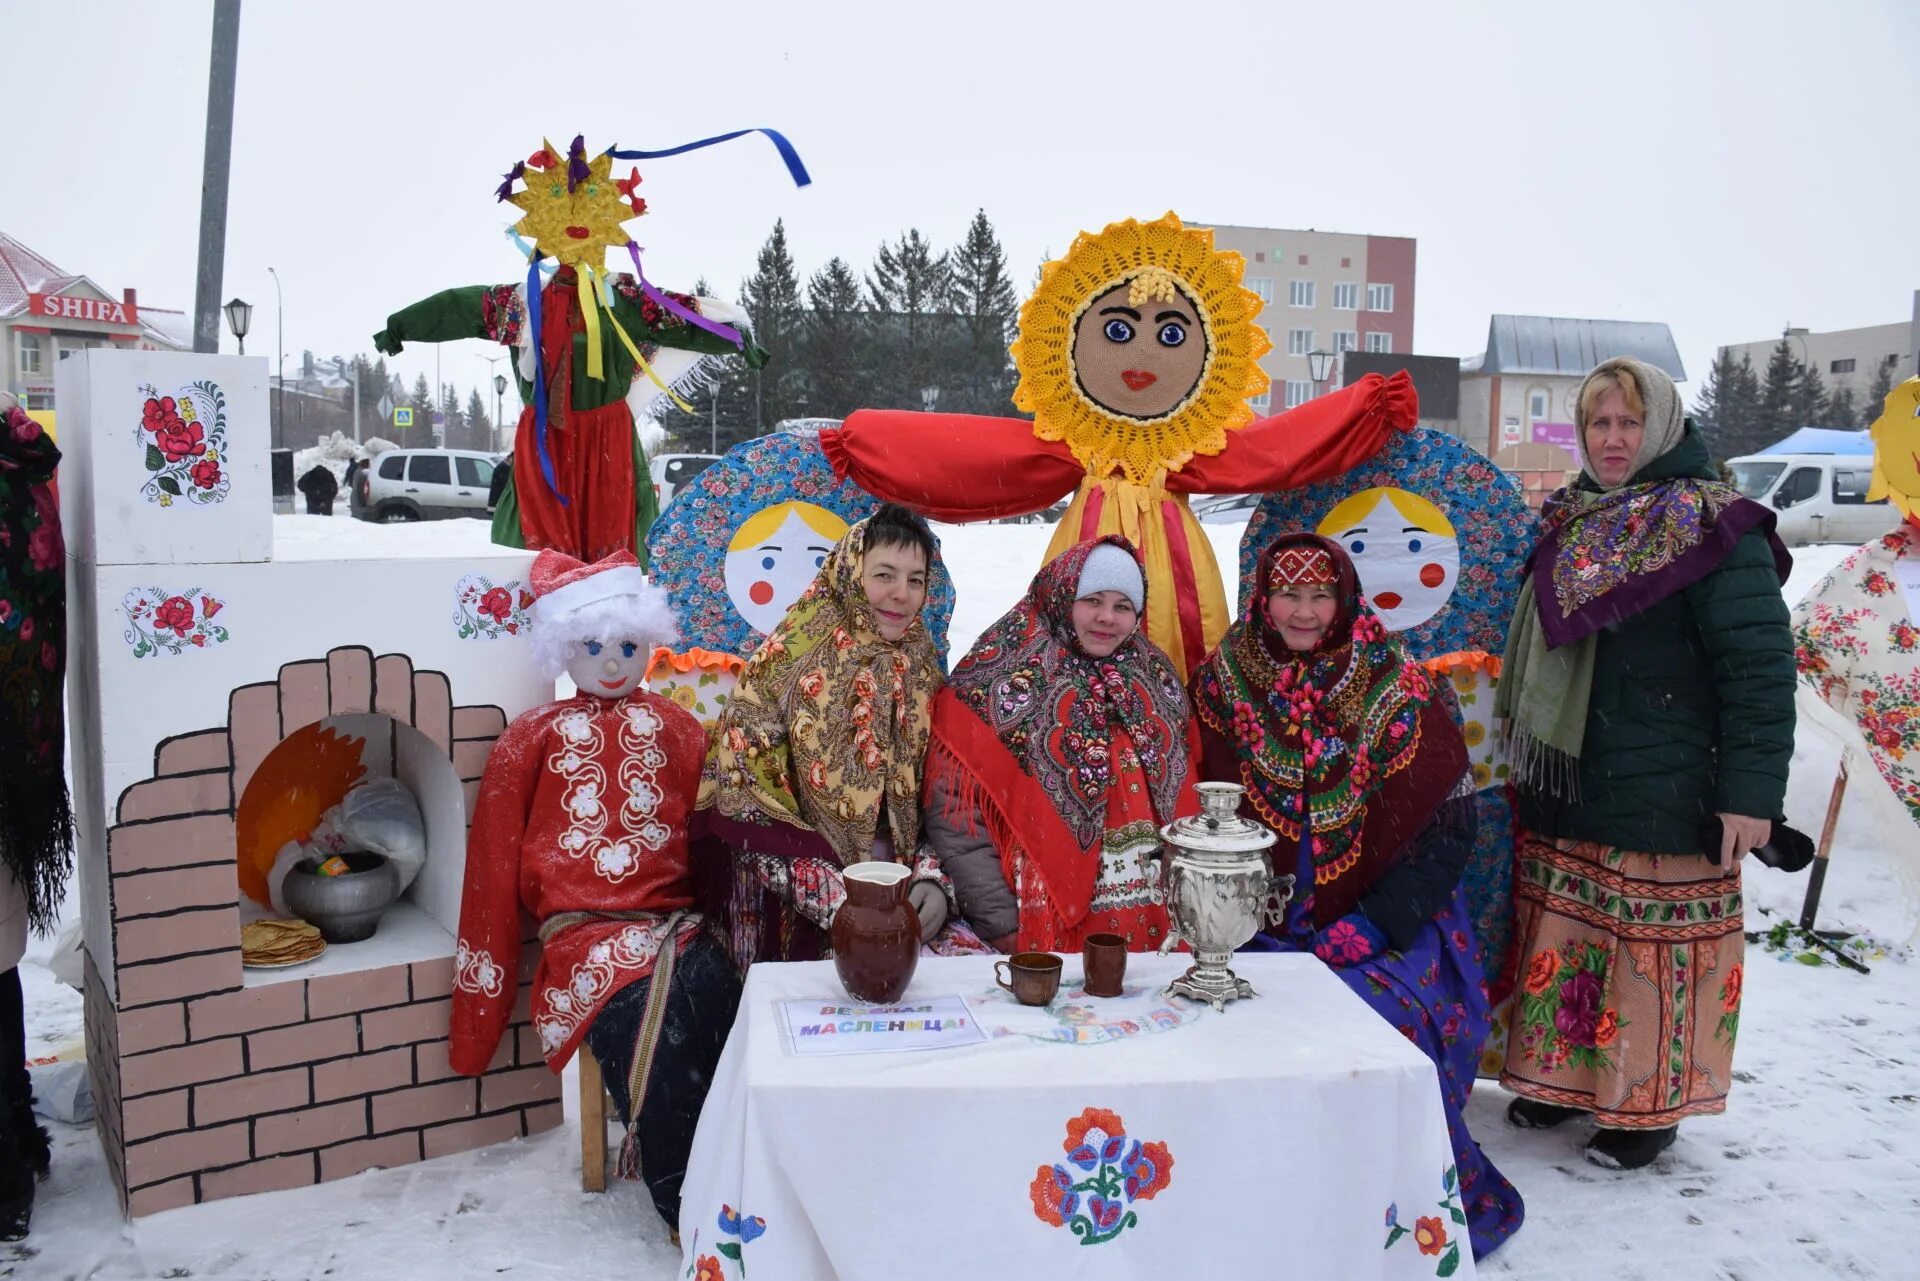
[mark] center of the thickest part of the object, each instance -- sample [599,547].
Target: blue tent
[1824,440]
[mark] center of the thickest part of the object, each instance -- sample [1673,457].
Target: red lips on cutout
[579,233]
[1138,379]
[1387,600]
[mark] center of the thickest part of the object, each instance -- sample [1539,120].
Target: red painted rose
[174,614]
[497,604]
[176,440]
[205,473]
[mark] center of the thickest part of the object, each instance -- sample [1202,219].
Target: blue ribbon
[540,381]
[787,153]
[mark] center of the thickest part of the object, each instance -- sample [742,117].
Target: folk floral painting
[183,436]
[162,622]
[486,610]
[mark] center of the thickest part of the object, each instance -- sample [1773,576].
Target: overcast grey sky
[1725,168]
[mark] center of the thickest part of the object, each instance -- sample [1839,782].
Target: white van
[1821,498]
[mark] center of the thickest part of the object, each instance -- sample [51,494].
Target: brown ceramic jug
[876,933]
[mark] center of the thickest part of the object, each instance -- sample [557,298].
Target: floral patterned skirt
[1628,997]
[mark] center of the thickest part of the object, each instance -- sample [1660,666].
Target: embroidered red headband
[1301,565]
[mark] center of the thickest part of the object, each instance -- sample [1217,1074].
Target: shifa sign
[68,307]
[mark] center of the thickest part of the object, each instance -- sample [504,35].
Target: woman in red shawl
[1352,754]
[1061,744]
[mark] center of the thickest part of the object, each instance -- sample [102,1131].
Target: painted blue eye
[818,561]
[766,562]
[1413,544]
[1119,330]
[593,649]
[1357,546]
[626,649]
[1172,335]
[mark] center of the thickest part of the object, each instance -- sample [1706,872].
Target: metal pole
[280,345]
[713,446]
[213,179]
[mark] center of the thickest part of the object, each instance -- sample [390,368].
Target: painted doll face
[1407,568]
[1139,362]
[766,575]
[608,668]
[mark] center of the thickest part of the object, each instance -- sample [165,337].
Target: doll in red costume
[582,821]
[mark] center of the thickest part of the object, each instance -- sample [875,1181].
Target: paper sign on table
[825,1027]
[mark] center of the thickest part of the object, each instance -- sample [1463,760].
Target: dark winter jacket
[1691,712]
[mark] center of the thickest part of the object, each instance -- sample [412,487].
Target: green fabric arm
[446,316]
[1744,626]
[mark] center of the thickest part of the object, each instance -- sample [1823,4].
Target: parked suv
[422,484]
[671,471]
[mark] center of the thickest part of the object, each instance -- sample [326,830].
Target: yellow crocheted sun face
[1896,449]
[575,228]
[1139,349]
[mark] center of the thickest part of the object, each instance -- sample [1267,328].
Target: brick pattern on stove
[207,1088]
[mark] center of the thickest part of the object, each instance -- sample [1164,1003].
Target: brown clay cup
[1035,976]
[1106,960]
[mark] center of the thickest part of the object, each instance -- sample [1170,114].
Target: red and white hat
[609,600]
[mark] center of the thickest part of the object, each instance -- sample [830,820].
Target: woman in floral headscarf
[1061,745]
[1648,690]
[1352,754]
[816,761]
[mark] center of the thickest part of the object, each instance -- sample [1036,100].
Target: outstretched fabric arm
[952,467]
[446,316]
[1322,438]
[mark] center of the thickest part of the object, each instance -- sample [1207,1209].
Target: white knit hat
[1110,569]
[610,599]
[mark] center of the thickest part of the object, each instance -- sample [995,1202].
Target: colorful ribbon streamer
[787,153]
[694,318]
[590,318]
[540,381]
[640,361]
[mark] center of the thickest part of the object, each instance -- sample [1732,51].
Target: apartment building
[1325,291]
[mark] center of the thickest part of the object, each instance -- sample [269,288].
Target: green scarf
[1542,698]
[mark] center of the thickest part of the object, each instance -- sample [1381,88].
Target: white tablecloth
[1283,1137]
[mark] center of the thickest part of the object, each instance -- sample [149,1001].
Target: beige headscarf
[1665,420]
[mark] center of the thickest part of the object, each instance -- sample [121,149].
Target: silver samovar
[1220,889]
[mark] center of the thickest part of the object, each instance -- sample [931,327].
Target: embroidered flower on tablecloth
[1429,1232]
[1119,1171]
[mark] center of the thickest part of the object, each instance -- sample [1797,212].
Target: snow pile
[333,453]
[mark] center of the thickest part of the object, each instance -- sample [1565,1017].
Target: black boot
[1629,1149]
[24,1147]
[1532,1114]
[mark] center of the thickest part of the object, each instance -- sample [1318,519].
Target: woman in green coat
[1648,693]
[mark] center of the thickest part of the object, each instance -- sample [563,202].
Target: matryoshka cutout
[1404,549]
[774,555]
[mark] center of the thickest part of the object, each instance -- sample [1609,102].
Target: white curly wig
[609,604]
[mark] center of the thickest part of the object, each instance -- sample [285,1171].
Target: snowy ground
[1813,1172]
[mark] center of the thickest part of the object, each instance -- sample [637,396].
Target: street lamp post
[280,374]
[1319,367]
[239,319]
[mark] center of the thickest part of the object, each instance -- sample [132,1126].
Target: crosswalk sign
[403,417]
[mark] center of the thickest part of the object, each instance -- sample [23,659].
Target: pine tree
[1743,409]
[1809,397]
[983,297]
[910,287]
[1708,416]
[1778,395]
[453,429]
[772,302]
[1843,411]
[834,343]
[477,423]
[420,400]
[1877,392]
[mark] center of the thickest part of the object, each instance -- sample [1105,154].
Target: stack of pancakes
[276,943]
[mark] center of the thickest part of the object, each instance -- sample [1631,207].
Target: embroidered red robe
[583,808]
